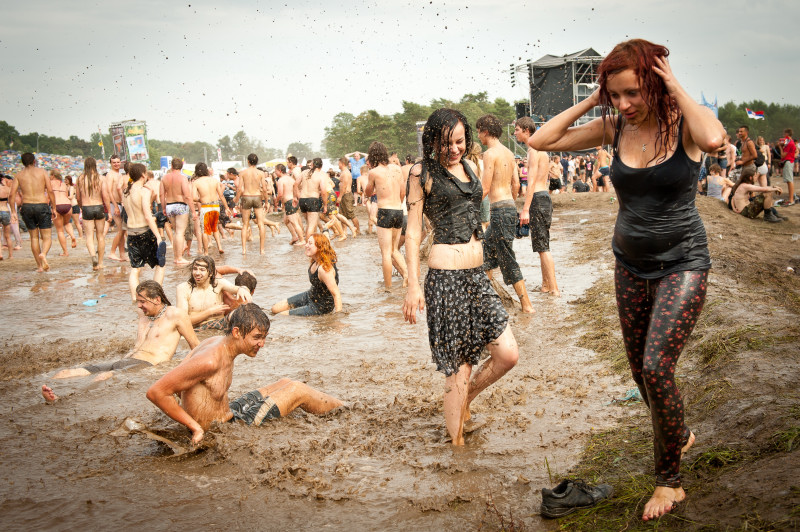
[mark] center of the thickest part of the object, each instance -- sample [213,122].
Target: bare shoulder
[472,165]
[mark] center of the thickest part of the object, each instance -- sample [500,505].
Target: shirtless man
[602,170]
[251,188]
[386,181]
[538,208]
[154,186]
[114,183]
[208,192]
[144,241]
[38,207]
[176,194]
[286,197]
[310,194]
[203,381]
[160,329]
[201,295]
[347,202]
[500,180]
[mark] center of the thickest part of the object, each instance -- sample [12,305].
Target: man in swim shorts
[160,328]
[36,211]
[286,196]
[201,295]
[311,196]
[386,181]
[115,183]
[176,194]
[347,201]
[601,175]
[204,378]
[500,180]
[251,189]
[538,207]
[209,193]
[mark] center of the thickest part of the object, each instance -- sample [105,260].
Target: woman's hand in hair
[663,69]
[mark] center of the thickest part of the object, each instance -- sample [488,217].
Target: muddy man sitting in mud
[204,377]
[159,330]
[201,295]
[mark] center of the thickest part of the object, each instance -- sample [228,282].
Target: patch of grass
[712,394]
[716,458]
[720,346]
[786,440]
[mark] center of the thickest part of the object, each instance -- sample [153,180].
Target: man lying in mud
[201,295]
[160,329]
[204,377]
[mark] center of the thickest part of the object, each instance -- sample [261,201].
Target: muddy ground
[384,464]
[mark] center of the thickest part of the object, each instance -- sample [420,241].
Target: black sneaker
[572,495]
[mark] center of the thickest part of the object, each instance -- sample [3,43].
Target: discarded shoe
[572,495]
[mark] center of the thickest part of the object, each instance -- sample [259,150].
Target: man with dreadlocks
[201,295]
[159,330]
[204,378]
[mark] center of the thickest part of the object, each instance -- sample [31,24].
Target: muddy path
[382,464]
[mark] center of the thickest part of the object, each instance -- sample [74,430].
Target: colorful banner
[118,138]
[136,140]
[755,115]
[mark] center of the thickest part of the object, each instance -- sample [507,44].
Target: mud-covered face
[148,306]
[254,341]
[200,272]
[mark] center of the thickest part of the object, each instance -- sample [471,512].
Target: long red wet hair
[639,55]
[325,256]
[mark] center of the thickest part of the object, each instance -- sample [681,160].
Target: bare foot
[528,309]
[45,266]
[74,243]
[663,501]
[63,254]
[105,375]
[221,251]
[111,256]
[300,243]
[343,237]
[17,247]
[182,262]
[261,252]
[39,270]
[688,445]
[49,395]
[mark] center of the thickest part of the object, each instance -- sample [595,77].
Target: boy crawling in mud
[204,377]
[160,329]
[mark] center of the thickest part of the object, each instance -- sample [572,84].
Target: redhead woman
[324,296]
[658,133]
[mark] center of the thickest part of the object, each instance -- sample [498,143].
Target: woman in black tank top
[658,134]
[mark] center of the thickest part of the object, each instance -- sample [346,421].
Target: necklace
[154,318]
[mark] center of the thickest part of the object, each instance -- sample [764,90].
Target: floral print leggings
[657,316]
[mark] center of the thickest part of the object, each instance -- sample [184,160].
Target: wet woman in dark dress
[658,133]
[323,297]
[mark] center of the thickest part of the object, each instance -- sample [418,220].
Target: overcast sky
[198,70]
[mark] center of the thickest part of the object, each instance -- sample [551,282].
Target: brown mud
[383,463]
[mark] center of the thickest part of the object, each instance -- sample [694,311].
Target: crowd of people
[455,208]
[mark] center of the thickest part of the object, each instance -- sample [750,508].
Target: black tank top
[452,206]
[319,293]
[658,229]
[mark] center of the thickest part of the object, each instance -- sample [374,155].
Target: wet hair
[28,159]
[745,177]
[246,279]
[152,290]
[316,163]
[201,170]
[137,171]
[325,256]
[210,265]
[252,159]
[377,153]
[474,155]
[90,174]
[490,124]
[280,168]
[639,55]
[176,164]
[56,174]
[246,318]
[526,123]
[715,169]
[291,159]
[438,130]
[409,159]
[115,156]
[232,170]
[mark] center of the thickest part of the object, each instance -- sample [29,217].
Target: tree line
[354,132]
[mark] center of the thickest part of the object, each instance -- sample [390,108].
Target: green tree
[301,150]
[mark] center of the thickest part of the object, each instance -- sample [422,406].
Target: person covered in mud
[464,312]
[386,181]
[204,378]
[500,181]
[160,329]
[659,133]
[38,208]
[143,241]
[201,295]
[324,296]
